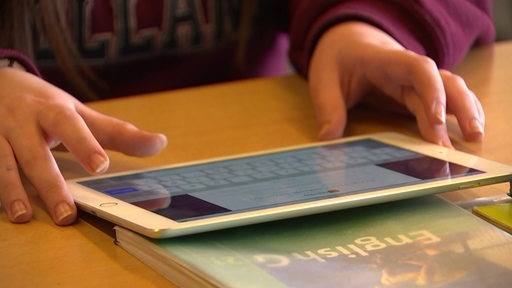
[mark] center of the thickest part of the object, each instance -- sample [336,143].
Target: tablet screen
[275,179]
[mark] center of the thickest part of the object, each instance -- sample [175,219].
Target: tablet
[226,192]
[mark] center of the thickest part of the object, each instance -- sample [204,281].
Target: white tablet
[220,193]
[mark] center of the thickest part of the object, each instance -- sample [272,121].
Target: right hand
[355,62]
[36,117]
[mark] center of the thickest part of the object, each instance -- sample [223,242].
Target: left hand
[354,61]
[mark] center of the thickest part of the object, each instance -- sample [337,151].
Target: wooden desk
[215,121]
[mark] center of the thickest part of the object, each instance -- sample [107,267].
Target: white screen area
[270,180]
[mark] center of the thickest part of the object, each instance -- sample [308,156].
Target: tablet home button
[108,204]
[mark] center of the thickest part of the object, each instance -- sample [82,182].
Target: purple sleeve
[443,30]
[21,59]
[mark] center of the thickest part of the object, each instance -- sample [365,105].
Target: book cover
[498,214]
[421,242]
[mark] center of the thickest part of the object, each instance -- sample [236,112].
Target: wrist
[361,33]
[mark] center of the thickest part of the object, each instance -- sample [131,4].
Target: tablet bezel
[156,226]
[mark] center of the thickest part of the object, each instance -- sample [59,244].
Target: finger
[330,109]
[464,104]
[435,133]
[62,122]
[325,87]
[122,136]
[428,84]
[404,70]
[12,195]
[38,164]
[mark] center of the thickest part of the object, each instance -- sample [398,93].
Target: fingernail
[163,139]
[99,164]
[324,134]
[439,112]
[62,211]
[18,209]
[476,127]
[447,144]
[328,133]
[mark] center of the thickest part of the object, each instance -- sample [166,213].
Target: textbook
[420,242]
[498,214]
